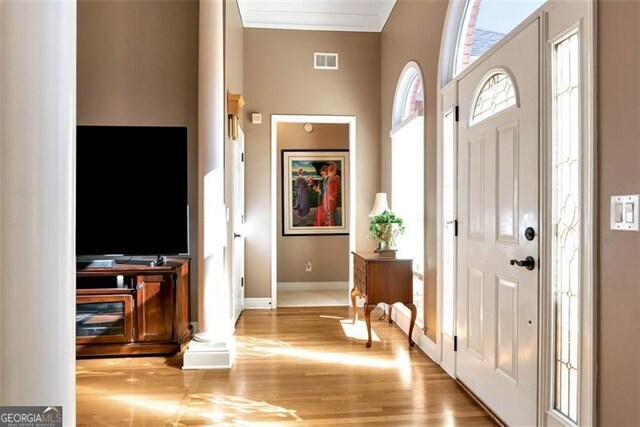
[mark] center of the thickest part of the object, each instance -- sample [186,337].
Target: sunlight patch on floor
[324,316]
[232,410]
[144,402]
[223,410]
[253,347]
[358,330]
[404,366]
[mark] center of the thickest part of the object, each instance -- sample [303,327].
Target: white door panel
[448,223]
[497,302]
[238,225]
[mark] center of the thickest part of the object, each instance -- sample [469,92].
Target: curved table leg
[368,308]
[354,293]
[414,313]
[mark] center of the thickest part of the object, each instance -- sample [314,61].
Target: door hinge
[456,113]
[242,157]
[455,227]
[242,282]
[455,343]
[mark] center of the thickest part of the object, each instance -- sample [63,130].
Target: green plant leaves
[387,217]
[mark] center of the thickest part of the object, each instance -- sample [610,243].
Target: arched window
[496,93]
[409,98]
[474,27]
[407,171]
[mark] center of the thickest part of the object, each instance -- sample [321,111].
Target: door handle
[236,235]
[529,263]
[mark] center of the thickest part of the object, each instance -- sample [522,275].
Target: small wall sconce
[235,102]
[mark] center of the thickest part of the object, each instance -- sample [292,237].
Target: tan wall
[329,255]
[279,79]
[234,57]
[413,32]
[138,65]
[619,152]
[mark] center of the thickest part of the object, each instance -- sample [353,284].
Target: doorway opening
[312,210]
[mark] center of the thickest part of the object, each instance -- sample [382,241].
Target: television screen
[131,196]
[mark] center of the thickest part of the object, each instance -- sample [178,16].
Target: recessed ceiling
[325,15]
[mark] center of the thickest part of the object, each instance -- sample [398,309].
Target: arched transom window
[497,93]
[475,26]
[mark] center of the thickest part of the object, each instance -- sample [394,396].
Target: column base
[208,355]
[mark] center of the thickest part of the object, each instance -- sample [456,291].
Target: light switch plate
[624,212]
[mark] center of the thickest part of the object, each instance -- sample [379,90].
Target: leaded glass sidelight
[566,204]
[496,94]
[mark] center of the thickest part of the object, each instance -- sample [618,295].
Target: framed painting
[315,192]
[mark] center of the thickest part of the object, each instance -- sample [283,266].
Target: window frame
[410,72]
[476,94]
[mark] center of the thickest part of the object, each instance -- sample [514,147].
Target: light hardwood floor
[305,366]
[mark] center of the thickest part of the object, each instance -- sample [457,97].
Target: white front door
[238,225]
[498,192]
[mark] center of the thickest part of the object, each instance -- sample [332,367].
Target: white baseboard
[402,317]
[313,286]
[257,304]
[207,355]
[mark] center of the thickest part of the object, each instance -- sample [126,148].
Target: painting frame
[306,215]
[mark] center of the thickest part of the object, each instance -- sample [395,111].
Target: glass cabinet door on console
[104,319]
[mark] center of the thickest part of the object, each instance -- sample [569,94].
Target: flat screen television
[131,191]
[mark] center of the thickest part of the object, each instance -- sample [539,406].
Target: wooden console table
[132,309]
[387,280]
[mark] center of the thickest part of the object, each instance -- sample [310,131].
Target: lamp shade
[380,205]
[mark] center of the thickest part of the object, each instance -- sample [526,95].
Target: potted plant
[385,227]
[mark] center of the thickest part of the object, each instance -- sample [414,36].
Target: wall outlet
[307,266]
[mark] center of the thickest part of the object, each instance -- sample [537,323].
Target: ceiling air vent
[325,61]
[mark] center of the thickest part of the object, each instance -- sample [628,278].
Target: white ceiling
[326,15]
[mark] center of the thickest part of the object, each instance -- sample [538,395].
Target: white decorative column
[213,344]
[37,199]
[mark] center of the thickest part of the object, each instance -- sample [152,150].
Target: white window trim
[412,69]
[456,14]
[587,414]
[485,79]
[406,121]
